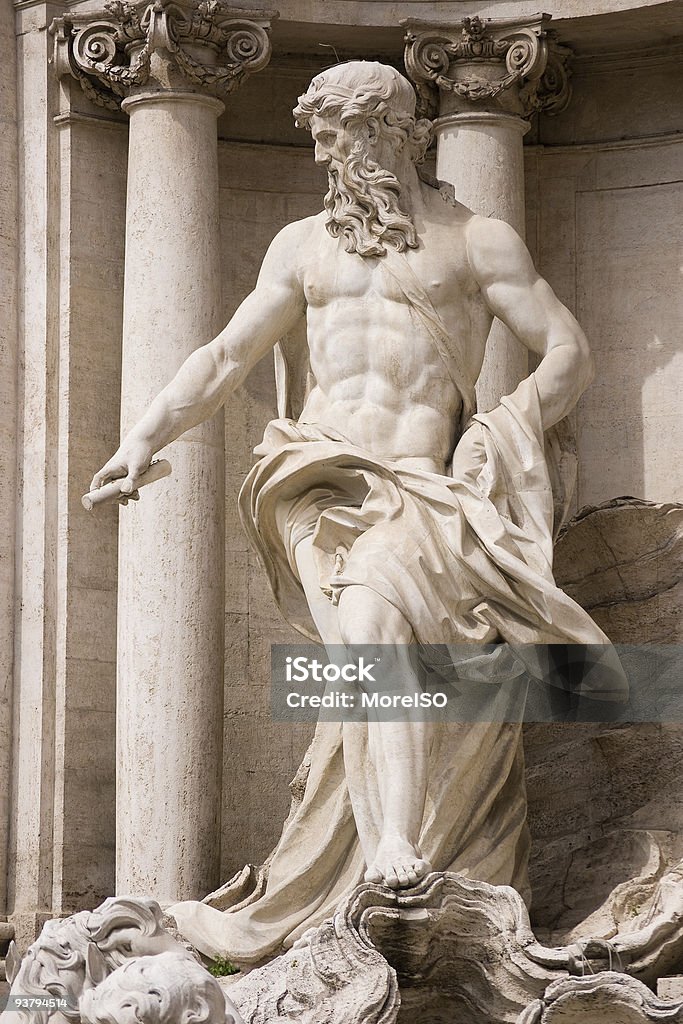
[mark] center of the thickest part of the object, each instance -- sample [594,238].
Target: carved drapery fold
[110,53]
[513,67]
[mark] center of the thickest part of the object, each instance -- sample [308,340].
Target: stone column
[170,608]
[483,79]
[168,62]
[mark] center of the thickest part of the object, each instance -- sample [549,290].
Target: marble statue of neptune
[384,508]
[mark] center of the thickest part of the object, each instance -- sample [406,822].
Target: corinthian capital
[206,43]
[482,64]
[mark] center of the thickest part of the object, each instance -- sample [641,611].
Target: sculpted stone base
[451,950]
[458,951]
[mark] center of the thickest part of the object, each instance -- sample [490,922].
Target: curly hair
[359,90]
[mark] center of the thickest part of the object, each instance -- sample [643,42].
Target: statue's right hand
[130,462]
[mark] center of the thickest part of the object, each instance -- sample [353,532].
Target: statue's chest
[336,275]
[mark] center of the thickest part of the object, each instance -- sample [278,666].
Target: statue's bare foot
[397,864]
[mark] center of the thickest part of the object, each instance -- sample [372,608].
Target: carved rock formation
[623,562]
[608,997]
[97,965]
[161,989]
[456,950]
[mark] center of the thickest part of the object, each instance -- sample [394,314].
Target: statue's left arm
[515,293]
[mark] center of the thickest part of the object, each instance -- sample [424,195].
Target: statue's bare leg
[399,750]
[365,801]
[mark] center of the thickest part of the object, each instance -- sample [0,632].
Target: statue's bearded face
[363,203]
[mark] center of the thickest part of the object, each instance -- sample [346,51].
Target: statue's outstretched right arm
[213,371]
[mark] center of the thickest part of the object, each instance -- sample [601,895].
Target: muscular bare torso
[380,380]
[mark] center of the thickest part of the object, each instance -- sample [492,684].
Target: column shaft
[171,598]
[481,155]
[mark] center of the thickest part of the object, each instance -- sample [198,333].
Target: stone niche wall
[93,166]
[9,230]
[605,219]
[71,233]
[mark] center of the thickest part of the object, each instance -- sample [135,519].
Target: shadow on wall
[605,804]
[628,301]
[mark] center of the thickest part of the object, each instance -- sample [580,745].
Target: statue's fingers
[128,484]
[109,471]
[134,471]
[123,498]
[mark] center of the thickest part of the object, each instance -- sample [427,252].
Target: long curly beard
[363,207]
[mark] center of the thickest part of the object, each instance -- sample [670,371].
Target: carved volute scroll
[485,65]
[205,43]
